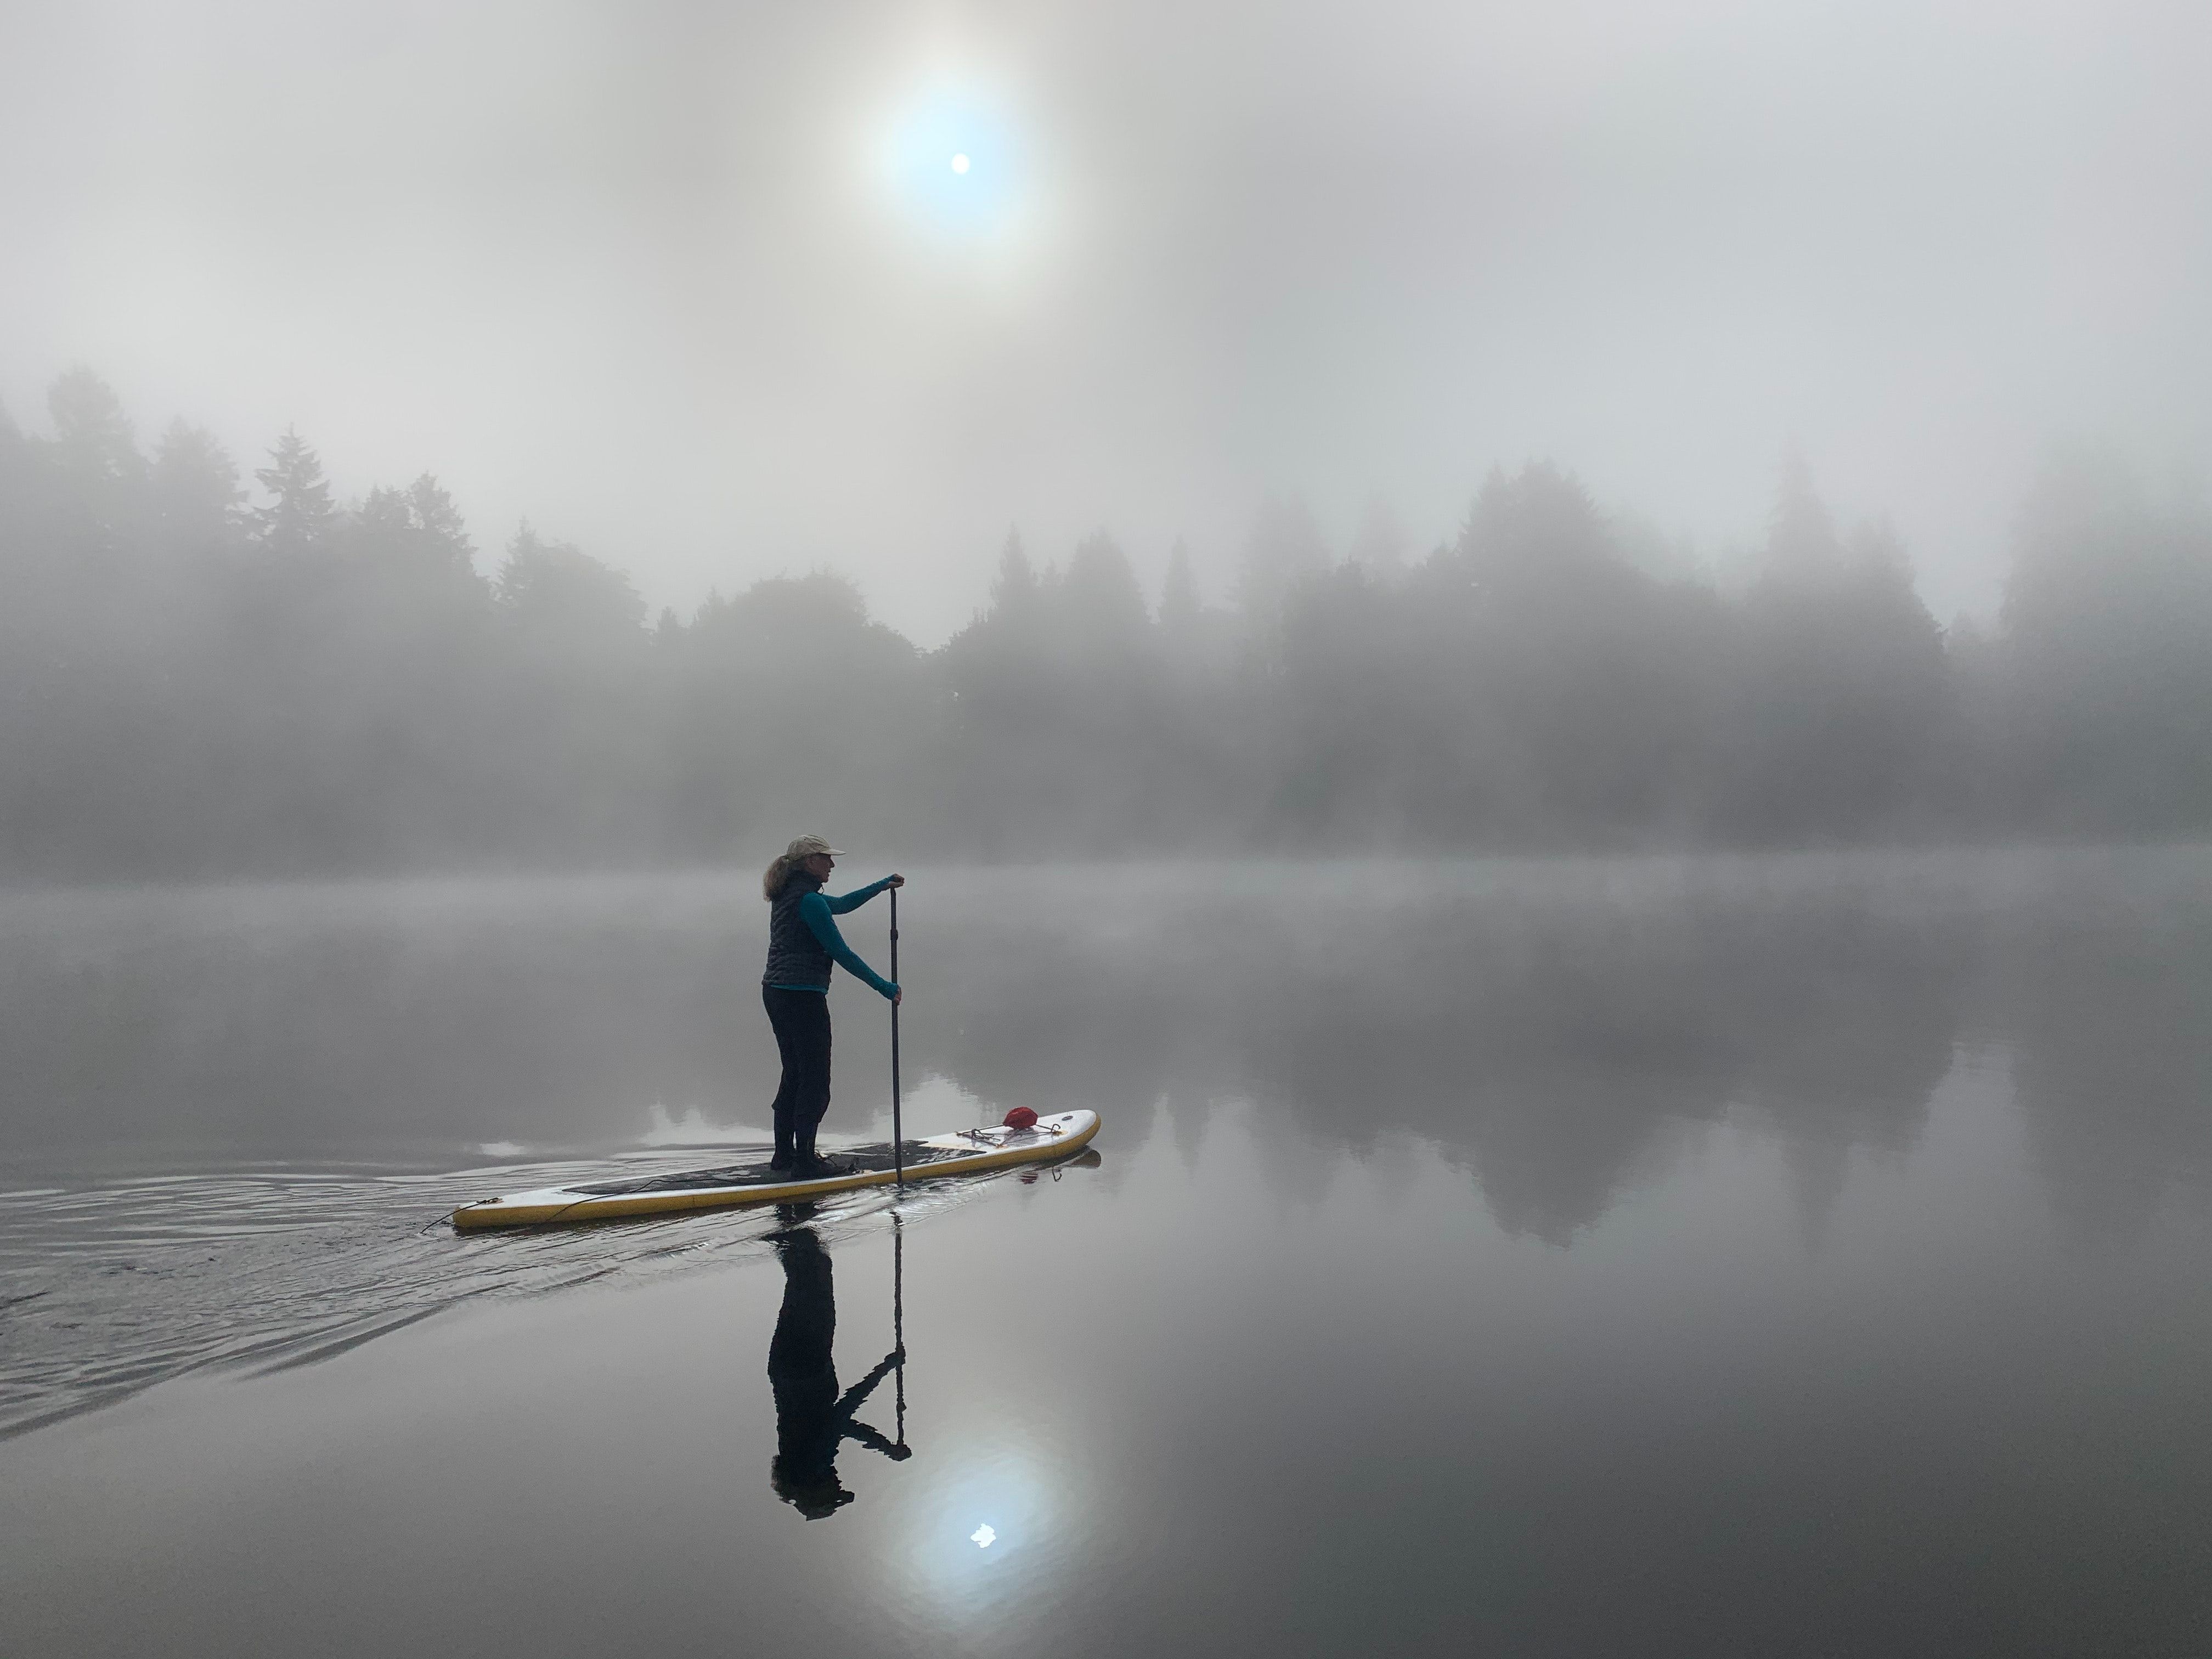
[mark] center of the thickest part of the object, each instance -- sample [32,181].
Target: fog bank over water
[1542,1023]
[235,1117]
[200,681]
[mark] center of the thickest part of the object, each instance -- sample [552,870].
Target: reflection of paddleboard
[967,1152]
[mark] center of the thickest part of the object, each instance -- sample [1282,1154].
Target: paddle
[898,1164]
[898,1142]
[898,1316]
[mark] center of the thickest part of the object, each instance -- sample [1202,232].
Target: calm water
[1807,1256]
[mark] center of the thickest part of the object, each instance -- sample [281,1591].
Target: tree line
[198,680]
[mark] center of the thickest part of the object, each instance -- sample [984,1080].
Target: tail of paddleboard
[969,1152]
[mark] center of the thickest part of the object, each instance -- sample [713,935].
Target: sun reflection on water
[953,1554]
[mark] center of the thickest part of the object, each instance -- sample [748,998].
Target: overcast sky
[698,287]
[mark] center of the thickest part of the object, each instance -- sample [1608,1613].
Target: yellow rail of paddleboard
[611,1207]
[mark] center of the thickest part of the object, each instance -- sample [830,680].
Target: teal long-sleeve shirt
[819,911]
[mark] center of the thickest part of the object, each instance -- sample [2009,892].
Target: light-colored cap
[807,847]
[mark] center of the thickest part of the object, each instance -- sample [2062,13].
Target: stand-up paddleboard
[967,1152]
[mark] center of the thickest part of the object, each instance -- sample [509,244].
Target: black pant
[801,1019]
[804,1375]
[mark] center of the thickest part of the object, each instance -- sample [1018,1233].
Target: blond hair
[801,849]
[778,874]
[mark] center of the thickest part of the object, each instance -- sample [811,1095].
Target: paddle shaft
[898,1140]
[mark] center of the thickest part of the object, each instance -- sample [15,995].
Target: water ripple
[109,1289]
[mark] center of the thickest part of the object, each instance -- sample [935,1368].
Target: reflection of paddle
[898,1150]
[898,1316]
[898,1450]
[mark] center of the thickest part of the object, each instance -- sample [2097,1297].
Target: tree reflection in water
[1547,1025]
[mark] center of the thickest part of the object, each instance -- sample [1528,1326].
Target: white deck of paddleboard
[972,1149]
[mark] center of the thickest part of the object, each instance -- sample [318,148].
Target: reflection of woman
[803,941]
[812,1419]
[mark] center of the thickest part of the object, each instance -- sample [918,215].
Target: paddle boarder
[803,943]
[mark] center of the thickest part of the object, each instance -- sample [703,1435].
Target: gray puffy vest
[795,956]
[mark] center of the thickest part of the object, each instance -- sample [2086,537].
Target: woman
[803,941]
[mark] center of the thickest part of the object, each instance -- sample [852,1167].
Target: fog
[193,686]
[1559,656]
[694,288]
[349,1060]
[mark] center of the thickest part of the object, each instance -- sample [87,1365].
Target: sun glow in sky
[954,161]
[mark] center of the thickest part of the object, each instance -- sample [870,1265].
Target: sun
[956,165]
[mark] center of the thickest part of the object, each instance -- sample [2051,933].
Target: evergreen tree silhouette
[556,588]
[1014,587]
[2105,660]
[299,512]
[93,437]
[1283,550]
[1380,543]
[1100,604]
[198,500]
[1180,609]
[437,525]
[1845,692]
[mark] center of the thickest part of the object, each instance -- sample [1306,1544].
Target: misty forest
[203,679]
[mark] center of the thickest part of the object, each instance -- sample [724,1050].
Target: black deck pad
[755,1172]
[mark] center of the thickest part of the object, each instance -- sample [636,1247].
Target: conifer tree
[438,525]
[1180,609]
[384,515]
[96,463]
[1284,550]
[1014,590]
[197,497]
[1801,546]
[92,434]
[299,511]
[1099,597]
[1380,543]
[1845,691]
[557,589]
[2107,670]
